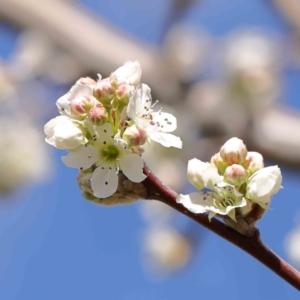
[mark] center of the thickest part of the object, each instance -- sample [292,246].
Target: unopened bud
[104,92]
[86,81]
[234,151]
[123,94]
[129,73]
[98,115]
[253,162]
[80,106]
[235,175]
[219,163]
[135,136]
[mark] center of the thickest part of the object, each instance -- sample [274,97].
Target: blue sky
[55,245]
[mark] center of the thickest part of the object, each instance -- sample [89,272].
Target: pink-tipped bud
[234,151]
[98,115]
[123,94]
[135,136]
[80,106]
[253,162]
[104,91]
[219,163]
[86,81]
[235,175]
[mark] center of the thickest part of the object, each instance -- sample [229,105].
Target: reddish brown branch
[252,245]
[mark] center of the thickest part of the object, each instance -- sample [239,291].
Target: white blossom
[202,175]
[63,133]
[109,156]
[263,184]
[222,200]
[130,73]
[156,124]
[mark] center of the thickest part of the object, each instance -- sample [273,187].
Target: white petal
[139,101]
[105,133]
[194,202]
[77,90]
[129,73]
[167,139]
[63,106]
[201,174]
[167,122]
[82,157]
[132,167]
[104,181]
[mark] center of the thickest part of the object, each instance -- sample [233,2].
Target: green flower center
[223,203]
[110,153]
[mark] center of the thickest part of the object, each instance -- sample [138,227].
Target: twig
[252,245]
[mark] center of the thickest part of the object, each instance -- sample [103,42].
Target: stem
[252,245]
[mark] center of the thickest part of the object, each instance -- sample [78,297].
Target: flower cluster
[236,179]
[104,125]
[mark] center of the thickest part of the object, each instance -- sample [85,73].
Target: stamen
[154,103]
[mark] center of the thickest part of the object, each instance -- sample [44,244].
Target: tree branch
[253,245]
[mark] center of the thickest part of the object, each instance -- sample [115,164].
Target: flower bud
[63,133]
[202,175]
[219,163]
[98,115]
[263,184]
[86,81]
[130,73]
[104,91]
[235,175]
[80,106]
[233,151]
[254,162]
[123,95]
[135,136]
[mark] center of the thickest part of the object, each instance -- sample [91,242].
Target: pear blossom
[223,197]
[156,124]
[109,156]
[63,133]
[104,124]
[263,184]
[130,73]
[202,175]
[223,200]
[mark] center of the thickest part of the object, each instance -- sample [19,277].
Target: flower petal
[104,182]
[105,133]
[77,90]
[201,174]
[194,202]
[132,167]
[139,102]
[82,157]
[167,122]
[167,139]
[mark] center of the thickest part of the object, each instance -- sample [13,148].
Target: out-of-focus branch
[97,45]
[290,9]
[252,245]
